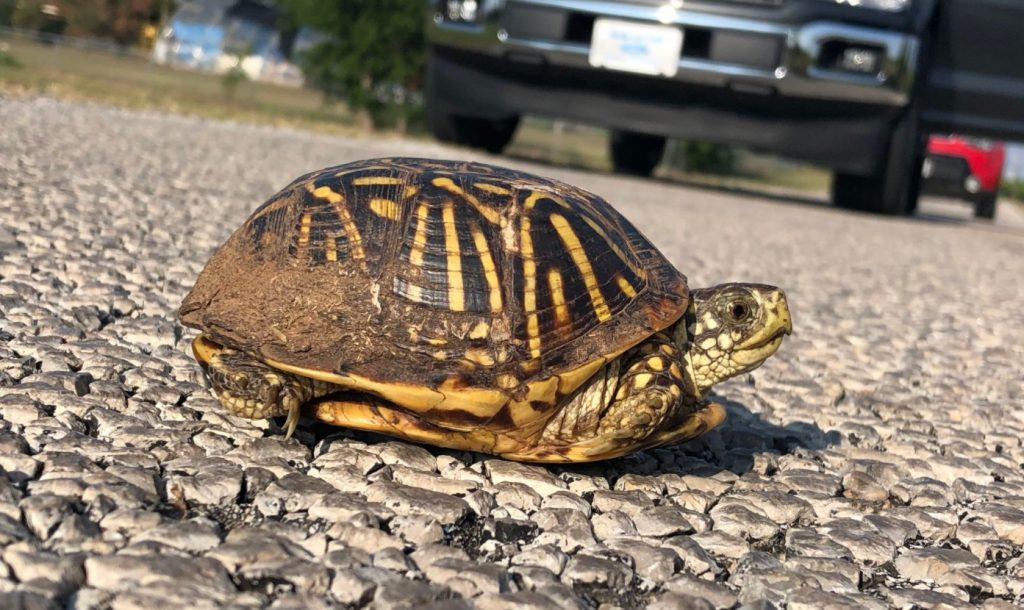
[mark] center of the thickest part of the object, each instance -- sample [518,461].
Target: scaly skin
[252,389]
[652,395]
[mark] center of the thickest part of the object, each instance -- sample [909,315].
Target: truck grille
[754,2]
[529,22]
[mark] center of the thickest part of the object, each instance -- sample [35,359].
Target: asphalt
[875,461]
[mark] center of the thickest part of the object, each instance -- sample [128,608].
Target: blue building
[219,35]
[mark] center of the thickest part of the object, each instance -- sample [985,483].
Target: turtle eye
[739,311]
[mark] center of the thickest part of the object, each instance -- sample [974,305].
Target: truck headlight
[889,6]
[461,10]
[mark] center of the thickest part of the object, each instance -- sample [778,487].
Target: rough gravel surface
[875,462]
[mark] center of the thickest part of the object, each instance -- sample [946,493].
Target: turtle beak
[776,323]
[777,315]
[781,311]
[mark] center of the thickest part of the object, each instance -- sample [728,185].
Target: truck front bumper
[780,87]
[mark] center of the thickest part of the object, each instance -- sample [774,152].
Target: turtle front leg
[621,406]
[639,401]
[648,392]
[252,389]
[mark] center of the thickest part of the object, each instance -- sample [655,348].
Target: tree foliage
[704,157]
[120,20]
[372,56]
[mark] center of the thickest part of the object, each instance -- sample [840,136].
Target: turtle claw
[281,398]
[291,422]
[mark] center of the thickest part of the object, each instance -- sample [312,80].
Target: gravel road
[875,462]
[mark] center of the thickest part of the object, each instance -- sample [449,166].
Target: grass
[560,143]
[1012,189]
[8,61]
[586,147]
[28,67]
[134,82]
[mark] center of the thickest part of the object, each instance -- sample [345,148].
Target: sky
[1014,168]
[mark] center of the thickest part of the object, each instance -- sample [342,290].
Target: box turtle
[472,307]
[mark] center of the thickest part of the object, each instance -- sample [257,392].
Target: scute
[452,289]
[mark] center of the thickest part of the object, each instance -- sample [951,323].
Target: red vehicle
[967,168]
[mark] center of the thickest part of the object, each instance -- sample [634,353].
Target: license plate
[636,47]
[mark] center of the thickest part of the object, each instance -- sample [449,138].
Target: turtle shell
[452,289]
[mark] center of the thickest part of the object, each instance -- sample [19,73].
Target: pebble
[536,478]
[743,522]
[119,573]
[520,600]
[473,579]
[351,588]
[563,527]
[656,564]
[588,570]
[547,556]
[719,596]
[417,529]
[407,500]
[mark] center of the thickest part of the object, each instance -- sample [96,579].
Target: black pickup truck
[853,85]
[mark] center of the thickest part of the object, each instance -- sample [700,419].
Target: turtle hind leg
[252,389]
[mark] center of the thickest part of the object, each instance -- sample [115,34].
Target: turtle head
[732,329]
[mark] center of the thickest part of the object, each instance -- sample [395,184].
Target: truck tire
[985,206]
[894,188]
[485,134]
[635,153]
[492,135]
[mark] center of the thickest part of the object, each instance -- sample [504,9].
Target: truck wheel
[492,135]
[636,153]
[894,188]
[985,206]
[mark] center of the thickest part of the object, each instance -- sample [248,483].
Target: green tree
[7,12]
[704,158]
[372,57]
[121,20]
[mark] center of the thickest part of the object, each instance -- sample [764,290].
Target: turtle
[471,307]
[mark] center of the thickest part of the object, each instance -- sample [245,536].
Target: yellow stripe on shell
[625,286]
[456,296]
[558,298]
[479,355]
[492,188]
[579,256]
[355,241]
[529,287]
[415,293]
[419,239]
[377,180]
[479,331]
[307,218]
[385,208]
[596,228]
[490,214]
[490,271]
[532,199]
